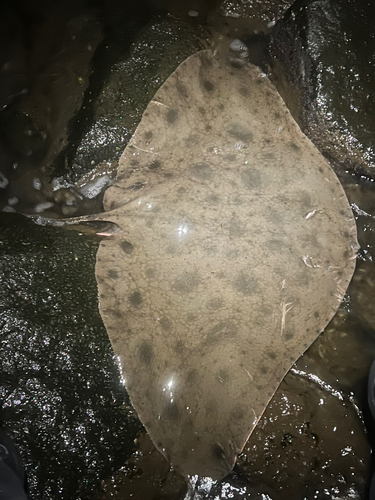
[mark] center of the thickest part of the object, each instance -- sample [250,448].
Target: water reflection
[182,231]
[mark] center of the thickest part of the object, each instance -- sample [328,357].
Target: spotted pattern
[216,281]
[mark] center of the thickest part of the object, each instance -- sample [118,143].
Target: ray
[236,244]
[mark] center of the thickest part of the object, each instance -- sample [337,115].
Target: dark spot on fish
[208,128]
[216,303]
[171,249]
[168,175]
[238,412]
[165,323]
[171,412]
[179,347]
[259,81]
[190,318]
[316,314]
[150,273]
[346,234]
[115,312]
[245,284]
[201,110]
[126,247]
[181,89]
[213,199]
[237,228]
[240,132]
[135,299]
[181,190]
[211,408]
[113,274]
[221,332]
[217,452]
[221,106]
[288,335]
[230,157]
[243,91]
[154,165]
[320,169]
[294,146]
[146,353]
[134,163]
[263,369]
[171,116]
[187,282]
[268,156]
[271,355]
[305,199]
[148,135]
[205,60]
[277,116]
[201,171]
[345,254]
[191,141]
[223,376]
[209,86]
[251,178]
[191,376]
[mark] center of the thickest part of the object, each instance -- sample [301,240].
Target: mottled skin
[236,246]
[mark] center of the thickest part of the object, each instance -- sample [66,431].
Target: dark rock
[147,474]
[322,58]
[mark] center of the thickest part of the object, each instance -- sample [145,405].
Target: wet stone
[342,73]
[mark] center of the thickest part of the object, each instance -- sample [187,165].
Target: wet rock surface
[61,396]
[323,64]
[145,475]
[267,11]
[310,442]
[52,53]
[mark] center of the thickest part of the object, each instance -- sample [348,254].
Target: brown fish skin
[236,246]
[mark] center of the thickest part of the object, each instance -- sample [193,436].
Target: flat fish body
[236,247]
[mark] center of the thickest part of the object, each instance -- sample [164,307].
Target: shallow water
[61,394]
